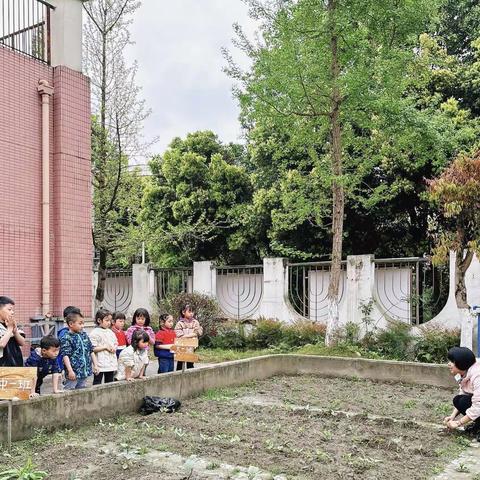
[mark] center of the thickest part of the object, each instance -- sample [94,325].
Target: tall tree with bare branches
[117,128]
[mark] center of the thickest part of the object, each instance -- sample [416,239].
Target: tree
[328,72]
[455,193]
[117,228]
[117,128]
[196,195]
[459,27]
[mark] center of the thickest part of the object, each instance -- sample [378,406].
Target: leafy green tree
[192,206]
[117,193]
[459,27]
[329,73]
[455,193]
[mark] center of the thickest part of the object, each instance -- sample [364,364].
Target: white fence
[283,290]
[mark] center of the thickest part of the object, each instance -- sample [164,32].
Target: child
[77,351]
[134,359]
[117,328]
[164,339]
[104,344]
[64,330]
[66,311]
[11,337]
[45,360]
[141,321]
[187,327]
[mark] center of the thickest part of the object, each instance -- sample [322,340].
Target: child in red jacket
[164,340]
[118,322]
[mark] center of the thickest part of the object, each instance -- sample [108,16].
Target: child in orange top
[164,340]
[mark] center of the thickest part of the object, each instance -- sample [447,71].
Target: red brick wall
[20,185]
[72,199]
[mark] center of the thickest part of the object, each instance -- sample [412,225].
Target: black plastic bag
[159,404]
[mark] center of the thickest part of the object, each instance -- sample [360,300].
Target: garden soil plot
[298,427]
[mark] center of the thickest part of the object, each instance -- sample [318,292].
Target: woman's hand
[448,419]
[453,424]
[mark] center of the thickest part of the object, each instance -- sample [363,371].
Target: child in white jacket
[105,344]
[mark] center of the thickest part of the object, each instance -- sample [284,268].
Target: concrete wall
[66,36]
[86,406]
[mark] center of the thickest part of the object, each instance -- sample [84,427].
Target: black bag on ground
[159,404]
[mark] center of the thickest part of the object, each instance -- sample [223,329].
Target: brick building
[45,198]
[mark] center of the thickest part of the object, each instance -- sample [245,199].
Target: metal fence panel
[410,290]
[308,289]
[239,290]
[173,281]
[118,290]
[25,27]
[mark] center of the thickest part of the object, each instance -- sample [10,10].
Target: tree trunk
[461,266]
[337,188]
[102,278]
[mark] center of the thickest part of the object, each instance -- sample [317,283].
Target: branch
[119,172]
[304,88]
[118,17]
[293,112]
[90,14]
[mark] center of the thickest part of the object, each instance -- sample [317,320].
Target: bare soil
[297,427]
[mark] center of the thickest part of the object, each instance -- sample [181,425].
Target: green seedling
[462,468]
[27,472]
[409,404]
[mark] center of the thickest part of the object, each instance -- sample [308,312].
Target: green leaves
[192,208]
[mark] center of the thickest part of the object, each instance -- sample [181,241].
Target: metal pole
[476,310]
[9,425]
[45,90]
[417,293]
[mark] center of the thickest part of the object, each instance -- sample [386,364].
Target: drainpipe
[45,91]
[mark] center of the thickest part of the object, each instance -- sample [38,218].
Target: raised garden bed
[303,427]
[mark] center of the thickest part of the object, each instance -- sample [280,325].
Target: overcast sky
[180,66]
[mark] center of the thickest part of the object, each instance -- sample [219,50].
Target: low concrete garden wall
[76,408]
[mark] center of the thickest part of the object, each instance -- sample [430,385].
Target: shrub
[393,342]
[206,311]
[230,336]
[267,333]
[348,334]
[433,344]
[303,332]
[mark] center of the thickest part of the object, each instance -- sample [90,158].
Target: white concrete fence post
[205,278]
[141,295]
[152,284]
[66,33]
[275,291]
[359,288]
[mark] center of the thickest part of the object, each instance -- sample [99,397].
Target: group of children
[109,352]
